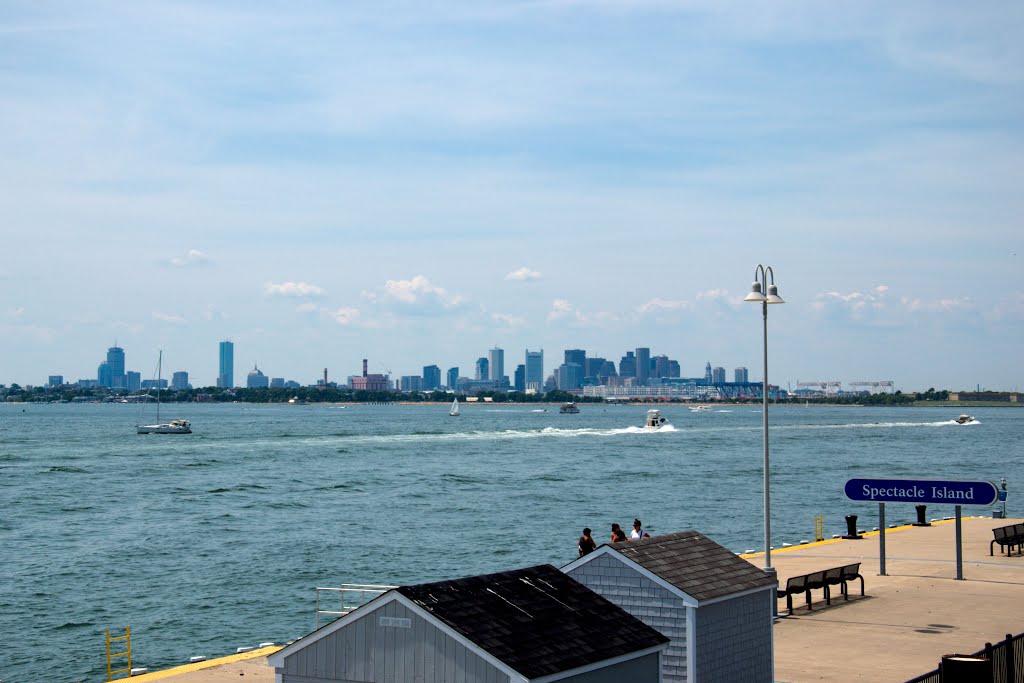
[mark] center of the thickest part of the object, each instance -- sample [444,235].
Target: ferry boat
[965,419]
[655,420]
[569,408]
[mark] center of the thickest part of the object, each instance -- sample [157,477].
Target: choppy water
[216,540]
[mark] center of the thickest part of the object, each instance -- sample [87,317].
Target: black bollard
[920,516]
[851,527]
[965,669]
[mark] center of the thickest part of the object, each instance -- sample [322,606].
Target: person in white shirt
[638,532]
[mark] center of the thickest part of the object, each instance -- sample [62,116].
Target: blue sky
[418,182]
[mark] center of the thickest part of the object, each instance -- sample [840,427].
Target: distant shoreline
[799,403]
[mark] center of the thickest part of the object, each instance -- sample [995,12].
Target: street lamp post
[765,292]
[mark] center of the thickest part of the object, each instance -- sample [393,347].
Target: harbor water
[207,542]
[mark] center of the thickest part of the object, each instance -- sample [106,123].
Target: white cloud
[658,304]
[292,289]
[193,257]
[416,293]
[713,294]
[344,315]
[524,273]
[169,318]
[508,320]
[560,308]
[954,305]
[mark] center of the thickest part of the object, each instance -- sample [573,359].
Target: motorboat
[965,419]
[655,420]
[699,409]
[172,427]
[569,409]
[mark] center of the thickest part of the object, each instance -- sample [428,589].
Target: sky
[418,182]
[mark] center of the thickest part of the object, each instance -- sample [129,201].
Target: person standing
[586,544]
[618,535]
[638,531]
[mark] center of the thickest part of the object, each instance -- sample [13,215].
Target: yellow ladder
[127,638]
[819,528]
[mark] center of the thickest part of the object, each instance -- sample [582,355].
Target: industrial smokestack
[325,377]
[364,367]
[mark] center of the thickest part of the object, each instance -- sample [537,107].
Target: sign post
[955,493]
[881,539]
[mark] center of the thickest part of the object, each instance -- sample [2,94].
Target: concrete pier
[901,628]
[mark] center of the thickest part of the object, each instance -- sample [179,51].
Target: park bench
[805,583]
[1007,537]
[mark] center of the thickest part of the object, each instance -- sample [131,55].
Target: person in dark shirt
[586,544]
[617,533]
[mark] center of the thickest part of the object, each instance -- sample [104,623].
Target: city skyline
[333,182]
[579,364]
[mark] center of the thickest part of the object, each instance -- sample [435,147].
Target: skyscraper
[535,370]
[453,378]
[179,380]
[115,359]
[577,356]
[643,365]
[226,376]
[496,361]
[482,369]
[741,375]
[627,365]
[104,376]
[569,376]
[519,380]
[718,375]
[431,377]
[707,372]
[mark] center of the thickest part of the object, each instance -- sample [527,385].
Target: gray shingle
[695,564]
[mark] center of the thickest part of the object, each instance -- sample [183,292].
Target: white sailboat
[172,427]
[454,412]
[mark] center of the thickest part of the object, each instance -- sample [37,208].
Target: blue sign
[922,491]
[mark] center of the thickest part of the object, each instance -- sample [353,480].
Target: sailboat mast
[159,370]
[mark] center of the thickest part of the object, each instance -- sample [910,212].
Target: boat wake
[869,425]
[507,434]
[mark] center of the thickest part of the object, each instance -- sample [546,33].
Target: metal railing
[1007,657]
[350,596]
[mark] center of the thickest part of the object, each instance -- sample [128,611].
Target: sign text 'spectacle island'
[922,491]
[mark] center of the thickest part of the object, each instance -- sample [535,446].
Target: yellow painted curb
[206,664]
[827,541]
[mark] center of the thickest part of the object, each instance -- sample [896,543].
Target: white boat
[569,409]
[655,420]
[172,427]
[965,419]
[454,412]
[699,409]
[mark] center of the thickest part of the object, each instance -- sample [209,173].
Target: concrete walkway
[909,618]
[900,629]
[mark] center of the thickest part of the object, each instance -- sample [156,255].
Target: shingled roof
[695,564]
[536,620]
